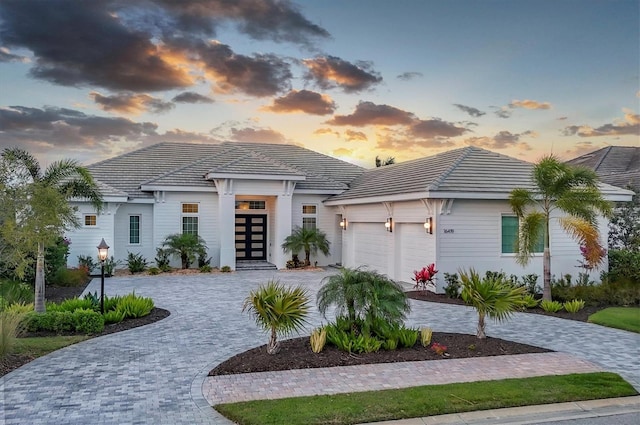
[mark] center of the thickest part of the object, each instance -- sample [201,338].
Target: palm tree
[186,245]
[278,309]
[492,296]
[570,190]
[363,295]
[381,163]
[48,212]
[308,240]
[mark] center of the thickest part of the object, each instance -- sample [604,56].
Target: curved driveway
[154,374]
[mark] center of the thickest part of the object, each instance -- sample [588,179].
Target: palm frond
[520,199]
[586,235]
[531,229]
[24,158]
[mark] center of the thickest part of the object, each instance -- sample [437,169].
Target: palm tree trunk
[546,272]
[480,331]
[273,347]
[307,253]
[39,284]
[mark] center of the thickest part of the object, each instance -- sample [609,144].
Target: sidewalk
[532,414]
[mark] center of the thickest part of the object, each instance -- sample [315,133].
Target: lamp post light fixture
[103,251]
[428,225]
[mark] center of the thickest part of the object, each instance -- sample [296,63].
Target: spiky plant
[490,296]
[278,309]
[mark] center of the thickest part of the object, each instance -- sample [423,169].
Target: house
[615,165]
[244,198]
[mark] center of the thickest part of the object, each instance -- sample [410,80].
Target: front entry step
[254,265]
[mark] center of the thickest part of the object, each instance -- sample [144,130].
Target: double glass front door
[251,237]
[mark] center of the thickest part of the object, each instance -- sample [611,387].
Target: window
[510,230]
[190,218]
[90,220]
[250,205]
[309,216]
[134,229]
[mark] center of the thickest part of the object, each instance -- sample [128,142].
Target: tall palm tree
[278,309]
[571,190]
[308,240]
[49,192]
[490,296]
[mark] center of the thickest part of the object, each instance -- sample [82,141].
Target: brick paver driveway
[154,374]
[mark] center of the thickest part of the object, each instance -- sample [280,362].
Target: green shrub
[225,269]
[12,291]
[551,306]
[530,282]
[163,258]
[408,337]
[154,271]
[111,303]
[87,262]
[133,306]
[573,306]
[205,269]
[63,321]
[19,308]
[73,304]
[70,277]
[390,344]
[136,263]
[529,301]
[113,316]
[452,288]
[88,321]
[624,265]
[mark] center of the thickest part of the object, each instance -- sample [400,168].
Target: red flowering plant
[439,349]
[424,278]
[592,255]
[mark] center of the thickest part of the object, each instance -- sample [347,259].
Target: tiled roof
[187,164]
[469,169]
[615,165]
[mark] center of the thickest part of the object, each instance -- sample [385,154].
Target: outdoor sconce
[103,252]
[388,225]
[428,225]
[343,224]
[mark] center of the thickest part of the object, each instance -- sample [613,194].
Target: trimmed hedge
[82,321]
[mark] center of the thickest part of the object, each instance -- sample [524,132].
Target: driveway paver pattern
[155,374]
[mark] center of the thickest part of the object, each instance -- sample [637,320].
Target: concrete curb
[531,414]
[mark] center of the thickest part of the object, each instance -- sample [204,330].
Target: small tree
[186,245]
[278,309]
[624,228]
[491,296]
[308,240]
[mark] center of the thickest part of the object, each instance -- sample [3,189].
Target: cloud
[259,75]
[330,71]
[408,76]
[389,140]
[629,125]
[85,43]
[260,19]
[368,113]
[502,140]
[355,135]
[580,148]
[562,118]
[191,97]
[529,104]
[469,110]
[257,135]
[342,152]
[501,112]
[131,103]
[434,128]
[7,56]
[327,130]
[303,101]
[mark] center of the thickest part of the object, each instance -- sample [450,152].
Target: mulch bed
[296,354]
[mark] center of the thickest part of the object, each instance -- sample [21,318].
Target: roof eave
[238,176]
[169,188]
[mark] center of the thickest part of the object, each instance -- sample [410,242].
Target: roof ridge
[608,149]
[464,154]
[259,155]
[182,167]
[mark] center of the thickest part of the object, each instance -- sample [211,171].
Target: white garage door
[371,242]
[417,249]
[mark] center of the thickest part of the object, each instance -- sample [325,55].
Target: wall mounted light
[343,224]
[388,225]
[428,225]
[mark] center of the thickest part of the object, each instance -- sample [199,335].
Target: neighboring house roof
[615,165]
[188,164]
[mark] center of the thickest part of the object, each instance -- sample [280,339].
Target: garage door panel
[371,243]
[417,249]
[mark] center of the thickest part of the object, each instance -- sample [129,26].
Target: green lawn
[627,318]
[430,400]
[39,346]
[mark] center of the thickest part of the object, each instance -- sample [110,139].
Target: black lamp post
[103,251]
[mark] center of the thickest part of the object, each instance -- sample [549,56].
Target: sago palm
[278,309]
[574,192]
[49,192]
[308,240]
[491,296]
[186,245]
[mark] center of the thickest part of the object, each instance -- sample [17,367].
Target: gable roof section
[615,165]
[187,165]
[464,172]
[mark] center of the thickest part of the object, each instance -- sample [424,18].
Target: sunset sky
[351,79]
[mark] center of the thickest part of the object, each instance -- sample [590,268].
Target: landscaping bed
[296,353]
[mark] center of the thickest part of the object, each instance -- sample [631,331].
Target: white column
[283,228]
[227,222]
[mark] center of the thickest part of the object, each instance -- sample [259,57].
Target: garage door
[417,249]
[371,245]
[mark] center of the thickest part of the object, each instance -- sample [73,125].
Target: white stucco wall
[85,239]
[326,220]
